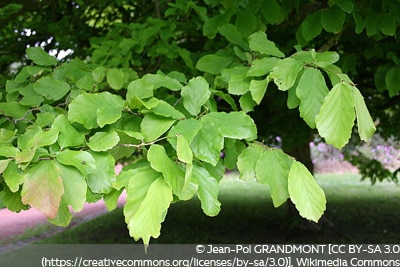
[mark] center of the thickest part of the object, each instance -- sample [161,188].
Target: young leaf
[258,42]
[195,95]
[312,91]
[247,161]
[148,199]
[366,127]
[305,193]
[258,89]
[183,150]
[153,126]
[235,125]
[285,73]
[40,57]
[272,169]
[103,141]
[173,175]
[115,78]
[336,117]
[208,190]
[43,188]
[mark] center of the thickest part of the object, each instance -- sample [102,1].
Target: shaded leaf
[366,127]
[332,19]
[258,42]
[311,27]
[247,161]
[214,63]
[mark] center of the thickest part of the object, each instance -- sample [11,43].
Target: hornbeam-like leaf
[258,42]
[272,169]
[40,57]
[173,175]
[366,127]
[101,178]
[68,135]
[312,91]
[75,187]
[82,160]
[247,161]
[208,190]
[285,73]
[43,188]
[50,88]
[153,126]
[195,95]
[94,110]
[305,193]
[102,141]
[148,199]
[183,150]
[208,143]
[236,125]
[336,117]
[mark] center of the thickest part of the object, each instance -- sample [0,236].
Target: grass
[356,213]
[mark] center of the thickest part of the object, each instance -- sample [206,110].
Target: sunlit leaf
[305,193]
[195,95]
[366,127]
[103,141]
[40,57]
[285,73]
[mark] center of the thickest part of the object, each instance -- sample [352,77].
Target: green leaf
[63,217]
[388,24]
[13,176]
[103,141]
[50,88]
[238,82]
[183,150]
[231,33]
[4,164]
[285,73]
[247,161]
[6,136]
[208,143]
[305,193]
[115,78]
[236,125]
[187,128]
[392,80]
[75,187]
[272,169]
[195,95]
[40,57]
[366,127]
[43,188]
[95,110]
[44,138]
[14,110]
[162,108]
[336,117]
[312,91]
[325,59]
[346,5]
[311,26]
[272,12]
[258,89]
[210,27]
[153,126]
[292,101]
[214,63]
[258,42]
[148,199]
[161,80]
[68,136]
[262,66]
[173,175]
[81,160]
[208,190]
[139,89]
[98,74]
[103,175]
[332,19]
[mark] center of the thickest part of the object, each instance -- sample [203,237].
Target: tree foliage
[177,91]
